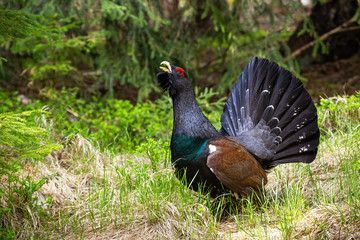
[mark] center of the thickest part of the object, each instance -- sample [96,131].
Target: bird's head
[173,78]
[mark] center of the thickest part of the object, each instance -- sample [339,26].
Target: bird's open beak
[165,66]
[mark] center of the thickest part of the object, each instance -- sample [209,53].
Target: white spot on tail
[212,148]
[304,148]
[265,91]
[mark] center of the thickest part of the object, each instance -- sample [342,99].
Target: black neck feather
[189,119]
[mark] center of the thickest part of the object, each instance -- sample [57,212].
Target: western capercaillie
[269,119]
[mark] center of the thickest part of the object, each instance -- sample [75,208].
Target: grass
[99,195]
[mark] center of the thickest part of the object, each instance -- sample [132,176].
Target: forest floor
[329,79]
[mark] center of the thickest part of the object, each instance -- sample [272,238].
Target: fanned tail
[270,112]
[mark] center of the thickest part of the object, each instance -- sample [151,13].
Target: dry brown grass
[328,222]
[83,169]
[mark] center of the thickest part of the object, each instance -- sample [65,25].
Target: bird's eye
[180,71]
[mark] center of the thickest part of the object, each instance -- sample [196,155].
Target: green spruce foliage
[102,46]
[19,140]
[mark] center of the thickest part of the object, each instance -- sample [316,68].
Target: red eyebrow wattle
[181,71]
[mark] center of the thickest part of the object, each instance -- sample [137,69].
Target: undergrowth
[88,190]
[116,125]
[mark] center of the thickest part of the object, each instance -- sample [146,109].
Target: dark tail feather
[272,115]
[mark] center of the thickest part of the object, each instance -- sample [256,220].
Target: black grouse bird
[269,119]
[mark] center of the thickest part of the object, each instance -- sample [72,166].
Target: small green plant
[339,113]
[156,151]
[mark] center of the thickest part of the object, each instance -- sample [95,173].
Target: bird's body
[268,119]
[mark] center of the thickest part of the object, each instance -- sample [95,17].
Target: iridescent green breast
[187,148]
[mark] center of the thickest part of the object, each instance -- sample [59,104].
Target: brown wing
[235,167]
